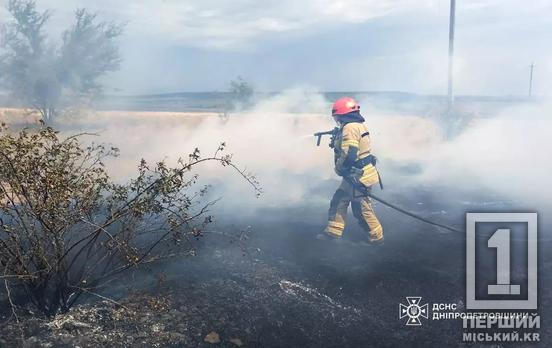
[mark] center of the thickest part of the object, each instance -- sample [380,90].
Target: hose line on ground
[366,192]
[417,217]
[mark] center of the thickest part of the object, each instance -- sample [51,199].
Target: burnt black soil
[277,286]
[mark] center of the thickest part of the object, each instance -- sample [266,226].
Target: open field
[275,283]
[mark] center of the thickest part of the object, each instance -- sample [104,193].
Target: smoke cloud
[504,154]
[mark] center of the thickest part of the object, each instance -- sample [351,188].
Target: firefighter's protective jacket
[353,154]
[352,149]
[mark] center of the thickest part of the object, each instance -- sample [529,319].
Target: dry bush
[66,229]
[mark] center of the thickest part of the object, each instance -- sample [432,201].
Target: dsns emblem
[413,311]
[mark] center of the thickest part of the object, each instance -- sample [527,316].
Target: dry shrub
[66,229]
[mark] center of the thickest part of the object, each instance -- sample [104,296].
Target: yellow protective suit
[352,139]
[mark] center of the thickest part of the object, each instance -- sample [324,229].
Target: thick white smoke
[506,153]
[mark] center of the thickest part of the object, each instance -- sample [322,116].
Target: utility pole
[451,53]
[531,79]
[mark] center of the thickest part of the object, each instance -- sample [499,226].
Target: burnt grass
[267,282]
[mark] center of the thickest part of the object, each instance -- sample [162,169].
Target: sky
[324,45]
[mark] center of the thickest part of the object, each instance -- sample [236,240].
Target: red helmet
[344,105]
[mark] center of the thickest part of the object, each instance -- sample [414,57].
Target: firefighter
[355,163]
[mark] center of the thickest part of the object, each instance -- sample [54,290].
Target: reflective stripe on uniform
[370,175]
[335,228]
[369,170]
[336,224]
[376,233]
[346,143]
[335,231]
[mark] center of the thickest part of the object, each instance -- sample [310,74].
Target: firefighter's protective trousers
[352,147]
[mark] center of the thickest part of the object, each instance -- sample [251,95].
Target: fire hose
[365,192]
[358,186]
[406,212]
